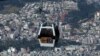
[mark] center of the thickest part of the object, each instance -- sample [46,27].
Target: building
[70,5]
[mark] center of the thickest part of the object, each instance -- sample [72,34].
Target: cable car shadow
[64,42]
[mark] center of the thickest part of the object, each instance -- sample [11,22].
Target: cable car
[48,35]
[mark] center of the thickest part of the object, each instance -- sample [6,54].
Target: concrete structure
[70,5]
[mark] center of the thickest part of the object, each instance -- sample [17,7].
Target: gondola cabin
[48,35]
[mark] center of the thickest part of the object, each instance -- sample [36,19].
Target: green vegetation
[10,9]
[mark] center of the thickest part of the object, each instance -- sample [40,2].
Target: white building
[70,5]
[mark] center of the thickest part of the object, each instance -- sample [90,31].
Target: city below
[50,28]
